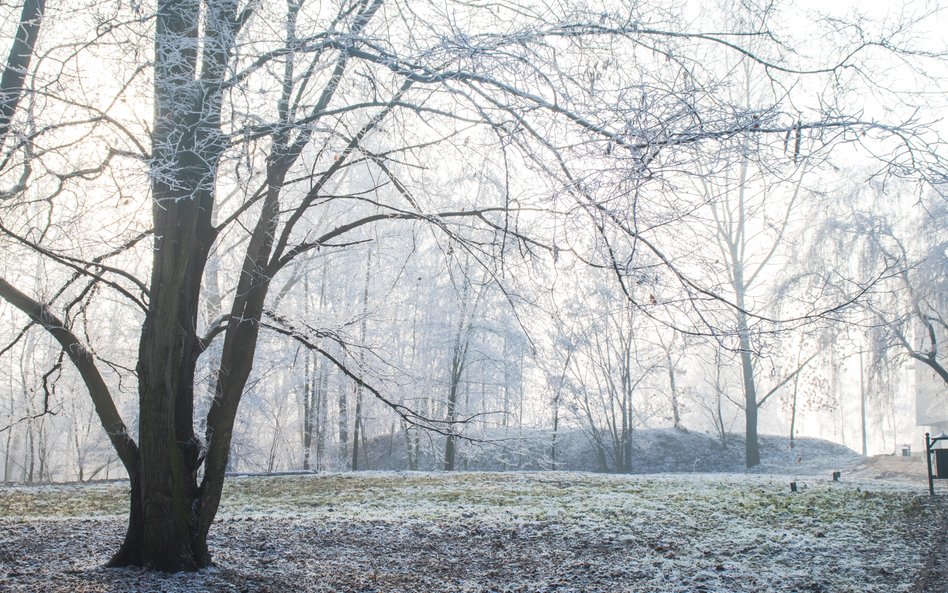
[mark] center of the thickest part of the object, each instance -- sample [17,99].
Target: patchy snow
[503,532]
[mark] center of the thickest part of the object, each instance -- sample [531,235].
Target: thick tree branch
[18,62]
[84,361]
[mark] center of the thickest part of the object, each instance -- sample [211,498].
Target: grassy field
[496,532]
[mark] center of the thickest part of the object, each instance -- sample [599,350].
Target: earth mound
[652,451]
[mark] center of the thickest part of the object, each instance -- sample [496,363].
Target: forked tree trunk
[168,510]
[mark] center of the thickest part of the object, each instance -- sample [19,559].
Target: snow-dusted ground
[556,531]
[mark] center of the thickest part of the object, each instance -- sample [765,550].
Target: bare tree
[908,253]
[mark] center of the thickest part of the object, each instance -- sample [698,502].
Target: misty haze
[424,296]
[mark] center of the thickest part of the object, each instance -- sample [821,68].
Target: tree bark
[556,407]
[358,426]
[676,405]
[17,67]
[458,363]
[751,444]
[309,401]
[751,405]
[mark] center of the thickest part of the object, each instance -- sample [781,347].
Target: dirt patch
[934,576]
[892,468]
[914,470]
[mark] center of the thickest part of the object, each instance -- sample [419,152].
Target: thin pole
[862,393]
[928,458]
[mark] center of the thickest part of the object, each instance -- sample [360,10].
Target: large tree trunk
[168,356]
[166,530]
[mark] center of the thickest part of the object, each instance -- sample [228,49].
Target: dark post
[941,459]
[928,458]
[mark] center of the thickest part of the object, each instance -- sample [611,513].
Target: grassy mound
[653,451]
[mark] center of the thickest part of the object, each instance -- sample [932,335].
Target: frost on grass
[495,532]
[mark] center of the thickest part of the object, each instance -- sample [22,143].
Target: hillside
[653,451]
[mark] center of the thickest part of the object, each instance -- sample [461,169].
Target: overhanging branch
[84,361]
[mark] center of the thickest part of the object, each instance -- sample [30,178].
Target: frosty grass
[551,531]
